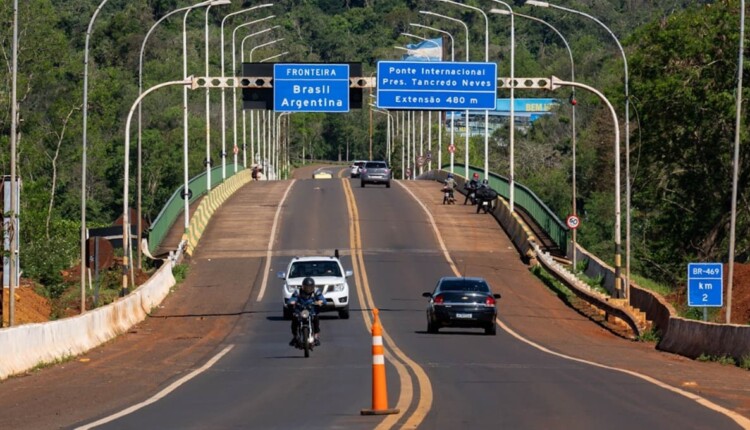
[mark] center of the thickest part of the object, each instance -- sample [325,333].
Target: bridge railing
[175,205]
[525,198]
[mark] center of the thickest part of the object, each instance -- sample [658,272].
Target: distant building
[526,112]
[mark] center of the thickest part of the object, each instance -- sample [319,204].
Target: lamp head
[220,2]
[537,3]
[500,11]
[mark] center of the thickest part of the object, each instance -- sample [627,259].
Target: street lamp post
[223,93]
[572,108]
[140,109]
[12,261]
[234,89]
[186,189]
[735,163]
[556,83]
[83,147]
[453,113]
[440,129]
[625,293]
[274,149]
[511,178]
[486,112]
[126,241]
[244,131]
[263,143]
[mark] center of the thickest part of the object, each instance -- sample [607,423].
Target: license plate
[463,315]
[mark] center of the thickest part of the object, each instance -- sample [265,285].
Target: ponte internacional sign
[423,85]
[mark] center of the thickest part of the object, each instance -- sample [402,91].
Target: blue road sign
[310,87]
[705,284]
[424,85]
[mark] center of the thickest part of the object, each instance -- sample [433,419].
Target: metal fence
[525,198]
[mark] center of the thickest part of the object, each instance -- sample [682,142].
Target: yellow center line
[365,295]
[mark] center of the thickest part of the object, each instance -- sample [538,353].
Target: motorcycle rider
[450,185]
[303,297]
[486,194]
[471,188]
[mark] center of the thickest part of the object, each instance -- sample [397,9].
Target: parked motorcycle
[305,336]
[448,198]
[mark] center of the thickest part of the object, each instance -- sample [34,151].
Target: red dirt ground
[32,307]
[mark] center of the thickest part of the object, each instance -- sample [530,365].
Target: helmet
[308,286]
[476,176]
[485,181]
[450,175]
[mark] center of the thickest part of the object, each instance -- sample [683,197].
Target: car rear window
[376,165]
[314,268]
[465,285]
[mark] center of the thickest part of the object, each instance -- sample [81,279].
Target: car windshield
[302,269]
[467,285]
[376,165]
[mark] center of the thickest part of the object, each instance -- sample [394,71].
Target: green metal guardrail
[175,205]
[525,198]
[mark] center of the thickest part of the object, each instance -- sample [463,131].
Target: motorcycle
[305,336]
[471,195]
[448,198]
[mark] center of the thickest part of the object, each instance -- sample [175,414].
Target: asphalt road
[250,378]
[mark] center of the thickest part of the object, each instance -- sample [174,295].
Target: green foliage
[649,336]
[180,272]
[681,56]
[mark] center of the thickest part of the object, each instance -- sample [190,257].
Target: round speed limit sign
[573,222]
[451,148]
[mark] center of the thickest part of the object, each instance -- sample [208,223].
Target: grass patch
[649,336]
[745,362]
[552,283]
[180,272]
[650,285]
[723,359]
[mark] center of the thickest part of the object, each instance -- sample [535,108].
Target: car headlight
[338,287]
[290,289]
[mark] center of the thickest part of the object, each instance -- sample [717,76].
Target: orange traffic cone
[379,390]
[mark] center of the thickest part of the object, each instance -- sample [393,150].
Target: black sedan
[462,302]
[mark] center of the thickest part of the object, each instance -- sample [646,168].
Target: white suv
[330,280]
[356,168]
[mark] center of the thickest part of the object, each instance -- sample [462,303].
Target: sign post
[705,286]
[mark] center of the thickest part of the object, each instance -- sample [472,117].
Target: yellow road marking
[393,352]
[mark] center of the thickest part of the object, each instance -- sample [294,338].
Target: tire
[306,340]
[388,184]
[362,184]
[432,328]
[287,313]
[344,314]
[490,329]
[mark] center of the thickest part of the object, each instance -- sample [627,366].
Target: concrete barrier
[209,205]
[677,335]
[27,346]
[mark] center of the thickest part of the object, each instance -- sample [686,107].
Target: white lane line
[161,394]
[270,243]
[739,419]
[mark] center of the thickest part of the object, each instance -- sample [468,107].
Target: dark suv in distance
[375,172]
